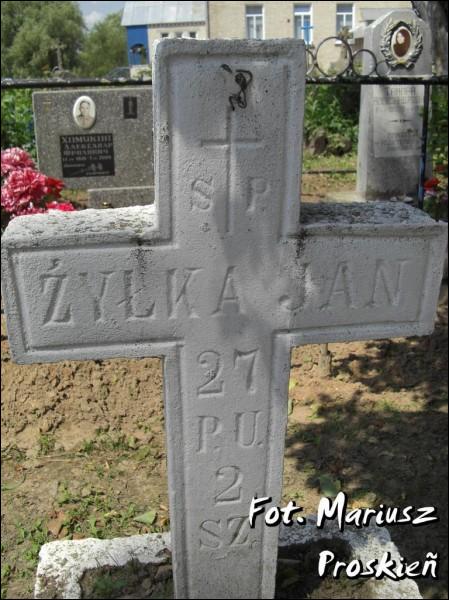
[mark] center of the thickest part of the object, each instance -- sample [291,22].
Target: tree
[38,36]
[105,47]
[436,13]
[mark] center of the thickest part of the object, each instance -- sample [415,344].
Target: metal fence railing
[347,75]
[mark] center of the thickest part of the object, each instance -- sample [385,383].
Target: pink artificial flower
[22,187]
[15,158]
[29,210]
[64,206]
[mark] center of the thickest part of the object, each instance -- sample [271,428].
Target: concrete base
[63,566]
[355,196]
[120,197]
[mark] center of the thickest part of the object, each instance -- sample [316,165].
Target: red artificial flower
[64,206]
[53,186]
[431,183]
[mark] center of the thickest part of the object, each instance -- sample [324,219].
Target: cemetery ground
[83,449]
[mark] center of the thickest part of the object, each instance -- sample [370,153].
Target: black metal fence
[359,67]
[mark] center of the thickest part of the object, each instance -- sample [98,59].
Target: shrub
[334,110]
[17,120]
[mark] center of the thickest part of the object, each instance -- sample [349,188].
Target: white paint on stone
[220,280]
[63,564]
[390,123]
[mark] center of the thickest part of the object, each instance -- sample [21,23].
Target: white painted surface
[62,564]
[219,279]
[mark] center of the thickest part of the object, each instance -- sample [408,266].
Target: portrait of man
[84,112]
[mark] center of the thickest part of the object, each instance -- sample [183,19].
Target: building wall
[227,19]
[155,31]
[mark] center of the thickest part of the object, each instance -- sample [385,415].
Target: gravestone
[220,279]
[98,140]
[390,124]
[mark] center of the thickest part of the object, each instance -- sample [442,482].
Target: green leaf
[147,518]
[329,487]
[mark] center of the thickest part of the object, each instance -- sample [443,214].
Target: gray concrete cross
[221,281]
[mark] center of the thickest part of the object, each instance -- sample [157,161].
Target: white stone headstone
[220,279]
[390,125]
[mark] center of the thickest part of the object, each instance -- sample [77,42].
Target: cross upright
[221,280]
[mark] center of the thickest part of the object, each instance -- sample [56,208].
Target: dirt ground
[83,448]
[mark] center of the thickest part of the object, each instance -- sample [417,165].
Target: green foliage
[17,121]
[46,444]
[438,130]
[333,110]
[35,535]
[31,33]
[104,48]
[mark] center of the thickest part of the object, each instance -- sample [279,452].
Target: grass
[329,162]
[46,444]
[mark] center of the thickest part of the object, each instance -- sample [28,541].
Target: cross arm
[364,271]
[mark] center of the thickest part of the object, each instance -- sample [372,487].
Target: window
[344,17]
[178,34]
[164,35]
[303,23]
[192,34]
[254,22]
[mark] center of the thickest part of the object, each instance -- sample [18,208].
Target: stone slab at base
[62,565]
[120,197]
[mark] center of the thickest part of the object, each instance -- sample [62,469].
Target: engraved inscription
[132,294]
[232,479]
[222,533]
[210,362]
[386,285]
[342,288]
[209,430]
[175,297]
[202,194]
[248,362]
[244,428]
[96,297]
[257,187]
[228,296]
[59,310]
[303,286]
[247,429]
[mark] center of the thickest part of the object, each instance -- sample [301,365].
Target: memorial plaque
[398,123]
[97,138]
[87,155]
[390,122]
[130,107]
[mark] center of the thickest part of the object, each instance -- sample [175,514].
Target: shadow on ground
[379,447]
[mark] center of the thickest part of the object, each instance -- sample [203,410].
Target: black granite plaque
[130,107]
[88,155]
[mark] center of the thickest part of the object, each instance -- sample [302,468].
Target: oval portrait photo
[401,42]
[84,112]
